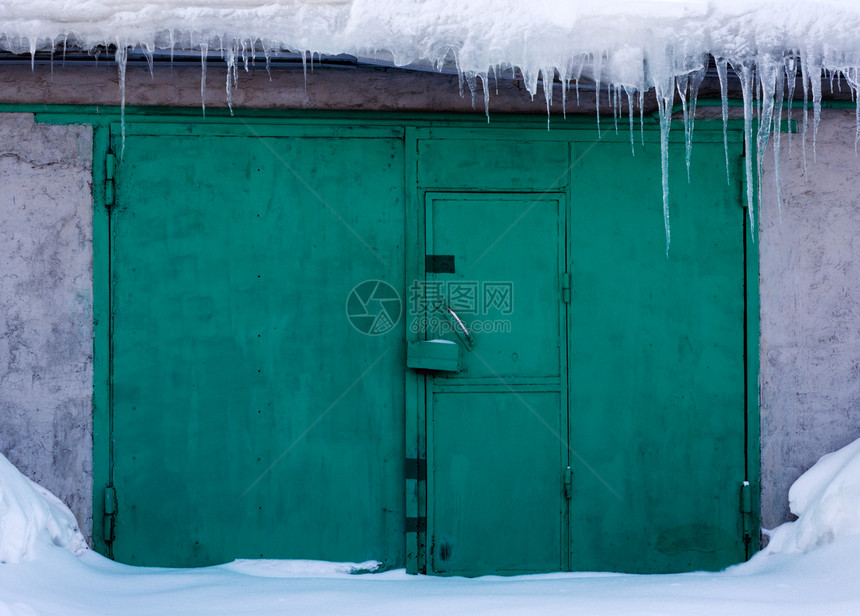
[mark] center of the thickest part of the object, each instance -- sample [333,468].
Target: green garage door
[250,419]
[260,401]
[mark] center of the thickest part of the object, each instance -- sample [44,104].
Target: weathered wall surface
[810,308]
[46,306]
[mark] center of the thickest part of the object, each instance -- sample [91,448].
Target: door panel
[657,364]
[250,419]
[497,483]
[496,445]
[506,251]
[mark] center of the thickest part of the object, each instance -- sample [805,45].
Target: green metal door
[648,403]
[657,356]
[496,453]
[599,421]
[250,418]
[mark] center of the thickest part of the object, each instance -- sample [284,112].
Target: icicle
[804,73]
[779,93]
[642,116]
[791,77]
[629,94]
[65,45]
[576,75]
[565,84]
[722,73]
[547,92]
[695,83]
[52,57]
[471,81]
[305,71]
[852,78]
[33,43]
[204,51]
[682,84]
[855,86]
[268,57]
[613,100]
[531,77]
[172,46]
[548,85]
[745,73]
[485,86]
[121,57]
[665,99]
[598,69]
[147,53]
[767,79]
[231,70]
[815,82]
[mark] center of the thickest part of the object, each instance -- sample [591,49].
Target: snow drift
[32,518]
[826,499]
[53,582]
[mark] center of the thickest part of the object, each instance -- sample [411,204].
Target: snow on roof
[630,43]
[629,46]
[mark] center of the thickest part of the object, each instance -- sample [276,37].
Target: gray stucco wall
[810,309]
[46,306]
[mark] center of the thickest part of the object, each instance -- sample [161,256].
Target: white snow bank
[31,518]
[827,500]
[822,581]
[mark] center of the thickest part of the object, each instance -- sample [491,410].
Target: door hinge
[416,468]
[416,525]
[568,483]
[109,514]
[110,179]
[565,288]
[746,512]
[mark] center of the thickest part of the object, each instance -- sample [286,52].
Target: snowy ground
[811,567]
[821,582]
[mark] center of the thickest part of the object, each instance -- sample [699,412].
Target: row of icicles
[767,83]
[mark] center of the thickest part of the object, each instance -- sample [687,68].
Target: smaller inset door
[496,451]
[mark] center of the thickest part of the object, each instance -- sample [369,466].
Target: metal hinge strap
[110,177]
[416,468]
[568,483]
[746,510]
[416,525]
[109,514]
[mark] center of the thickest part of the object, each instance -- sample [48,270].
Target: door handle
[457,325]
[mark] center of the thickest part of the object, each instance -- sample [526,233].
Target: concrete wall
[810,309]
[46,306]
